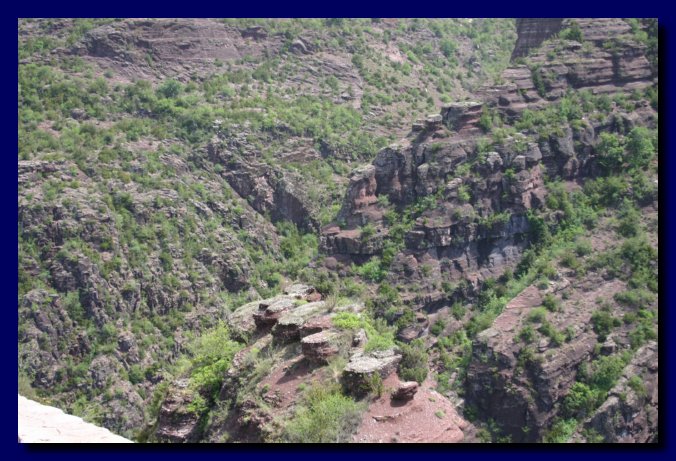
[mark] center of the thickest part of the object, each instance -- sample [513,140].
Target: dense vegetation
[137,204]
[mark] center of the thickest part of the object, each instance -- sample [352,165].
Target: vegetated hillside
[198,262]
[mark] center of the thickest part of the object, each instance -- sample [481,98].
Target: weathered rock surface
[176,422]
[269,190]
[564,65]
[427,417]
[519,384]
[405,390]
[289,326]
[170,43]
[319,347]
[630,414]
[531,32]
[363,366]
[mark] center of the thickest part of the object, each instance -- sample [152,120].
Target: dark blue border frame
[529,8]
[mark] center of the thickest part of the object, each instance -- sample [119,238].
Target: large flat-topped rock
[43,424]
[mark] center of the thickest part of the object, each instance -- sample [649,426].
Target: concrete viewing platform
[43,424]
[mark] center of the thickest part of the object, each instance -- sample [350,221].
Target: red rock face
[531,32]
[425,163]
[589,65]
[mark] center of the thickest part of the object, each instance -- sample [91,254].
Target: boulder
[363,366]
[359,339]
[288,327]
[315,325]
[319,347]
[405,390]
[270,311]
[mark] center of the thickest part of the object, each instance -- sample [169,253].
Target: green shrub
[367,232]
[641,147]
[413,365]
[636,383]
[583,248]
[552,333]
[136,374]
[611,151]
[572,32]
[581,401]
[169,89]
[379,342]
[325,416]
[604,372]
[550,302]
[537,315]
[347,321]
[629,223]
[527,334]
[603,323]
[437,327]
[212,354]
[372,270]
[637,298]
[561,431]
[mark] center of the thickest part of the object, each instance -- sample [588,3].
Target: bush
[629,220]
[573,32]
[347,321]
[604,372]
[379,342]
[527,334]
[561,431]
[537,315]
[550,302]
[169,89]
[437,327]
[611,151]
[637,298]
[583,248]
[552,333]
[636,383]
[136,374]
[581,401]
[325,416]
[413,365]
[367,232]
[640,147]
[603,323]
[212,354]
[372,270]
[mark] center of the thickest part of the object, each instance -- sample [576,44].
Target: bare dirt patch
[428,417]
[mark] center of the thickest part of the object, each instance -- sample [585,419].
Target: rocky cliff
[178,177]
[531,32]
[476,223]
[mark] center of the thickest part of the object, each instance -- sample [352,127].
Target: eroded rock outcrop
[630,414]
[518,379]
[268,190]
[177,422]
[608,59]
[362,367]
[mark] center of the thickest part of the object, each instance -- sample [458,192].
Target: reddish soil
[428,417]
[284,380]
